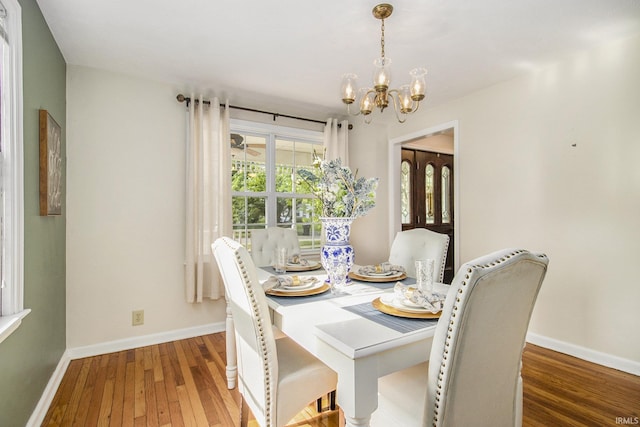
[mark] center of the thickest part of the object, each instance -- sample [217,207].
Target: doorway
[436,146]
[426,188]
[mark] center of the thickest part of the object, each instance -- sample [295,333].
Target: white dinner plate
[307,266]
[388,274]
[297,287]
[383,274]
[304,287]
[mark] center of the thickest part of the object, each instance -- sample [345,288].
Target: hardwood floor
[182,383]
[561,390]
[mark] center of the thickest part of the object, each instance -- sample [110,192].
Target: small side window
[11,173]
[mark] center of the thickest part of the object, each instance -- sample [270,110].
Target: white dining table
[358,349]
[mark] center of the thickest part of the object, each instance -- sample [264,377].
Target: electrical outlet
[137,317]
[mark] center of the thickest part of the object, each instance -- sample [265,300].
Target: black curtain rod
[182,98]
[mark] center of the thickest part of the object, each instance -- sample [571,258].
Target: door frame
[395,145]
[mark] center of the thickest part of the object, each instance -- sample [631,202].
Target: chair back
[475,361]
[255,342]
[420,243]
[265,241]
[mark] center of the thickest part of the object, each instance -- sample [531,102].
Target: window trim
[13,239]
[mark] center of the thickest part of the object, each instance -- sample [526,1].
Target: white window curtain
[336,140]
[208,196]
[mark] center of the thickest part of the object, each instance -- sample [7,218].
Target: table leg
[232,363]
[357,392]
[357,422]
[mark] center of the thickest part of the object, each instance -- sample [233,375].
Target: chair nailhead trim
[263,344]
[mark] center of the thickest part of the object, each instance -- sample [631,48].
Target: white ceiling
[273,54]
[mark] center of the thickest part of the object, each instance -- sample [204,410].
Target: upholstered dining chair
[276,378]
[264,241]
[473,373]
[420,243]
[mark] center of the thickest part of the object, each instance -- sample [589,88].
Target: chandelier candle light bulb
[349,88]
[382,74]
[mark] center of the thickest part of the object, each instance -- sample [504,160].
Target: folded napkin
[275,282]
[433,302]
[296,260]
[385,267]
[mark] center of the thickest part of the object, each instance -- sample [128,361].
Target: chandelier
[405,100]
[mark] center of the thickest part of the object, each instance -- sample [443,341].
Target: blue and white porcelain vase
[337,254]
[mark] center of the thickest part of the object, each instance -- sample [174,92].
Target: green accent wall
[30,355]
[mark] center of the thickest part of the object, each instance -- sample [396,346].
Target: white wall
[549,162]
[368,155]
[125,215]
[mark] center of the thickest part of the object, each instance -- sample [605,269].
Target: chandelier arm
[417,104]
[349,111]
[396,107]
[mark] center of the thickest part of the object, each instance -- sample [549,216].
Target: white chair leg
[232,362]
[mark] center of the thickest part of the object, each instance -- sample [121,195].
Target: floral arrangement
[340,191]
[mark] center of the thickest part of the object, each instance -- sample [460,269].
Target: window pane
[248,176]
[285,164]
[446,195]
[284,211]
[309,235]
[248,154]
[284,183]
[248,213]
[428,190]
[405,189]
[307,223]
[304,160]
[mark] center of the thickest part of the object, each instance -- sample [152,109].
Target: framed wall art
[50,165]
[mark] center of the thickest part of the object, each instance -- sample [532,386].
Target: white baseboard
[40,411]
[604,359]
[135,342]
[49,392]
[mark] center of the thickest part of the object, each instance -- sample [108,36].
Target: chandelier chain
[382,39]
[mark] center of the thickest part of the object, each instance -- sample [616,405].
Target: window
[266,187]
[11,175]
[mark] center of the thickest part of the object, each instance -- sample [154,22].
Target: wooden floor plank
[183,383]
[150,397]
[176,413]
[170,382]
[118,390]
[79,419]
[63,394]
[129,406]
[189,383]
[162,404]
[158,374]
[188,416]
[140,407]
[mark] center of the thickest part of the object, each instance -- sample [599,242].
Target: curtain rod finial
[180,97]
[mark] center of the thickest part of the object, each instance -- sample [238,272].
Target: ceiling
[289,55]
